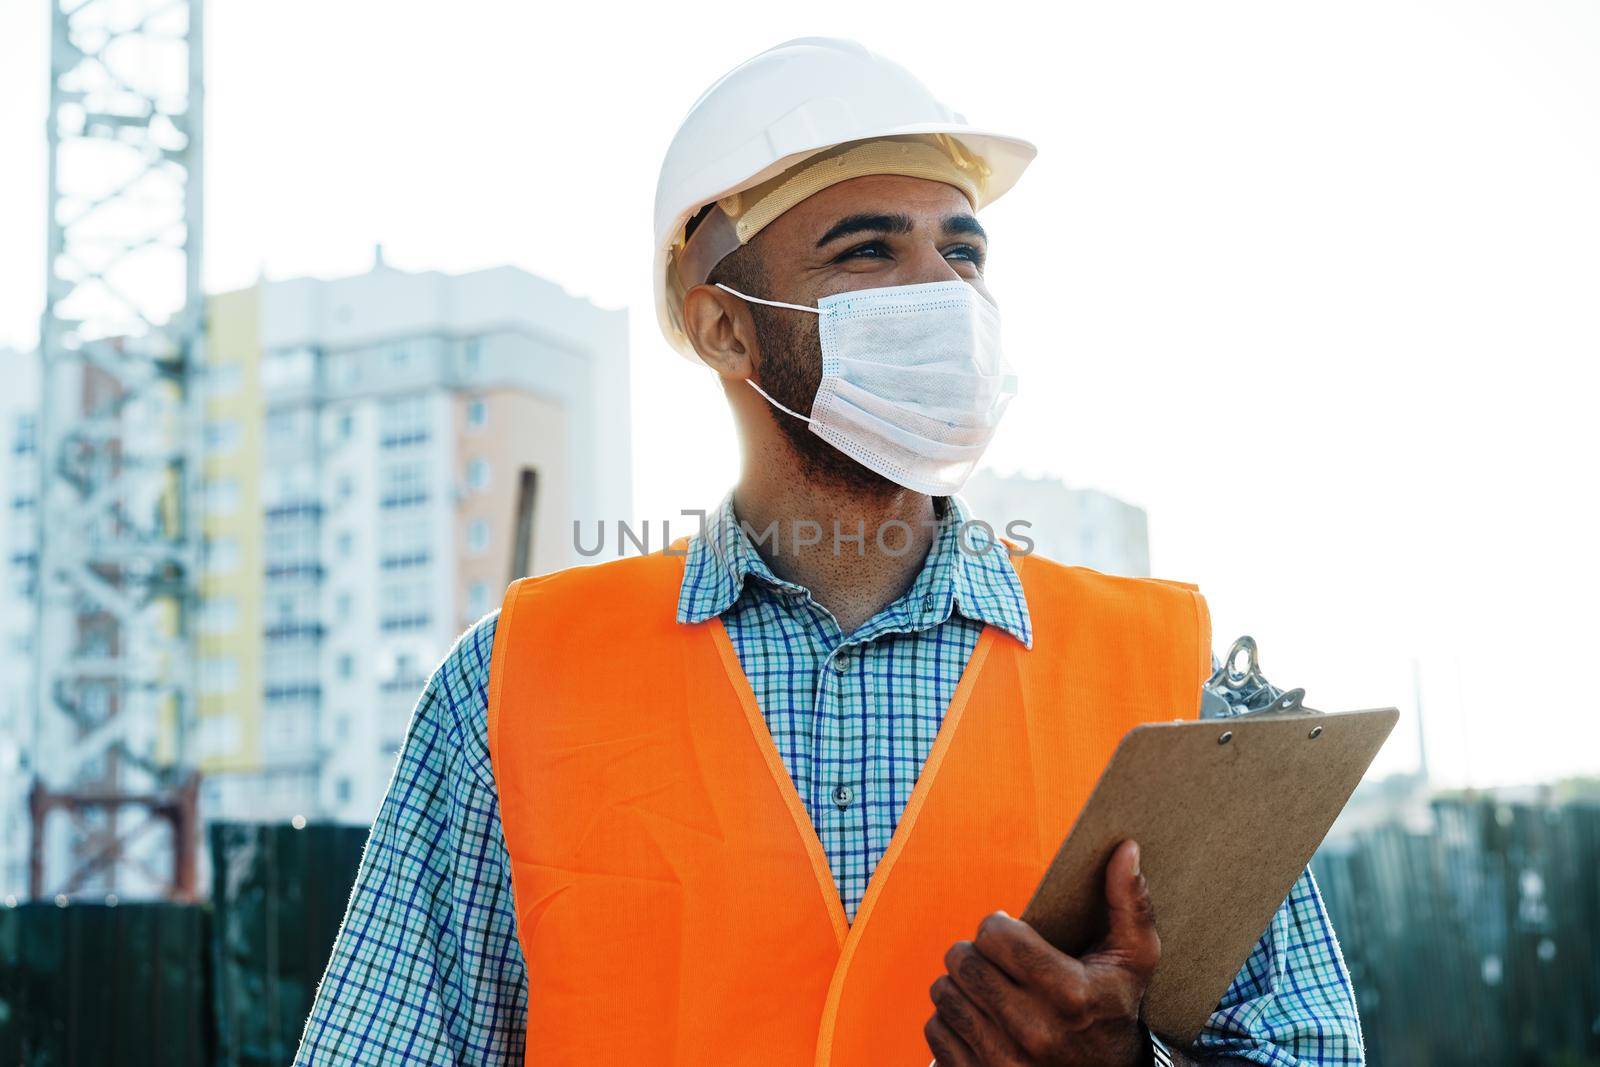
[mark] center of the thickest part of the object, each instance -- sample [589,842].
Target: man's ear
[722,331]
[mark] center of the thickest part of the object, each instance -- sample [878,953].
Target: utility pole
[113,805]
[1422,734]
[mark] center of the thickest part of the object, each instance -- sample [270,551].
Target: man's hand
[1011,999]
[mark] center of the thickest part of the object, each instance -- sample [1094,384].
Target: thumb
[1131,940]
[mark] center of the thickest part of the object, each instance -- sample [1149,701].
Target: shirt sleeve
[426,969]
[1292,1004]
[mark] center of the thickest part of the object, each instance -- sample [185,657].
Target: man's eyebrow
[963,224]
[869,222]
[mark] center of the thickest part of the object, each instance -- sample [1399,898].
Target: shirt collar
[967,571]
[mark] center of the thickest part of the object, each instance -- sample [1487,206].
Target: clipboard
[1227,813]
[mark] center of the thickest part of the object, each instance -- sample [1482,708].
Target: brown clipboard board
[1227,813]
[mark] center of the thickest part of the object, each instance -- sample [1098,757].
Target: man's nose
[928,264]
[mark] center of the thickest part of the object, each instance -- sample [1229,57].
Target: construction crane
[113,805]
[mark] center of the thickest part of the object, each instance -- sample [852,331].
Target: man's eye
[870,250]
[967,252]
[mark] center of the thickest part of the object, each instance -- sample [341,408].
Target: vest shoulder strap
[618,603]
[1138,623]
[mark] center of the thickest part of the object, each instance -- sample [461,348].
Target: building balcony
[295,631]
[297,509]
[293,692]
[305,570]
[405,684]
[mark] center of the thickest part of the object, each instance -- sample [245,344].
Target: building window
[342,790]
[289,542]
[403,544]
[346,369]
[222,435]
[478,473]
[222,379]
[287,664]
[403,421]
[219,615]
[292,692]
[222,555]
[405,606]
[347,665]
[219,735]
[474,352]
[221,496]
[478,599]
[347,425]
[299,630]
[288,368]
[285,503]
[347,544]
[23,442]
[477,413]
[285,729]
[219,674]
[287,429]
[478,536]
[404,485]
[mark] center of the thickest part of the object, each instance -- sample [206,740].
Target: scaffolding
[116,676]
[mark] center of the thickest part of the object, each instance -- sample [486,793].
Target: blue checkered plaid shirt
[427,969]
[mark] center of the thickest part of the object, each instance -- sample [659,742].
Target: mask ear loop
[769,303]
[751,383]
[777,304]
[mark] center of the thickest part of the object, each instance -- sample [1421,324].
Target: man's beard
[791,371]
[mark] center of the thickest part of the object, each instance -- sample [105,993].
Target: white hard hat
[783,106]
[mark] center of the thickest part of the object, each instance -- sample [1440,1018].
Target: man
[768,796]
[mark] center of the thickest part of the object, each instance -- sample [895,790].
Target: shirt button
[842,796]
[841,663]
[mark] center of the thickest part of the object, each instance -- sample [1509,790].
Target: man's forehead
[924,200]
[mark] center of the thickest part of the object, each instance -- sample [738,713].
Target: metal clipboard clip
[1233,690]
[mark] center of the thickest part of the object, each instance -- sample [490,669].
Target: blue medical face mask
[913,380]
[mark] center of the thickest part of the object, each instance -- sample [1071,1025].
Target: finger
[1027,958]
[948,1049]
[1131,940]
[977,1031]
[1015,1011]
[985,984]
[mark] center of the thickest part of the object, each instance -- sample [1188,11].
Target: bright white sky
[1316,285]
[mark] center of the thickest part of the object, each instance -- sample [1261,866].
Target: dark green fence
[175,985]
[97,984]
[1477,944]
[278,894]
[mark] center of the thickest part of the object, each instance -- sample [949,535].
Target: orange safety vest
[673,901]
